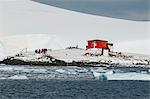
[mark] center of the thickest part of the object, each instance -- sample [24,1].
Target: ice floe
[18,77]
[69,72]
[129,76]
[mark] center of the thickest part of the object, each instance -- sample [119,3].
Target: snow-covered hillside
[79,57]
[61,28]
[137,46]
[15,44]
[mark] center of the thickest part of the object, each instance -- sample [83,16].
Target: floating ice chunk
[102,75]
[6,68]
[3,78]
[129,76]
[99,76]
[71,71]
[39,70]
[109,72]
[82,70]
[148,70]
[2,64]
[144,72]
[100,70]
[18,77]
[96,74]
[60,71]
[121,76]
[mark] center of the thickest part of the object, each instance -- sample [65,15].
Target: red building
[101,44]
[97,44]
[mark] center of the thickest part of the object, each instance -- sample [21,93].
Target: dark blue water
[76,89]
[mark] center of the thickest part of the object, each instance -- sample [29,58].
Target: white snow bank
[68,55]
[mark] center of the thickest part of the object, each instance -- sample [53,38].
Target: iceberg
[99,76]
[60,71]
[129,76]
[110,75]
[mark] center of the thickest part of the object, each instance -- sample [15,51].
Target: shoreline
[78,57]
[12,61]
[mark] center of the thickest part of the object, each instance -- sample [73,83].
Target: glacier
[28,24]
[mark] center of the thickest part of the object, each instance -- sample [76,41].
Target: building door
[94,44]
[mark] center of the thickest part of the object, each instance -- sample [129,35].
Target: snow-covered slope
[79,57]
[28,17]
[15,44]
[1,53]
[136,46]
[126,59]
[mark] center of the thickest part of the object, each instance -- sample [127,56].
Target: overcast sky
[124,9]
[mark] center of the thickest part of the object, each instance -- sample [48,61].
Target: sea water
[74,89]
[61,82]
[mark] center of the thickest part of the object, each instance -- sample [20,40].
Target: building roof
[98,40]
[110,44]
